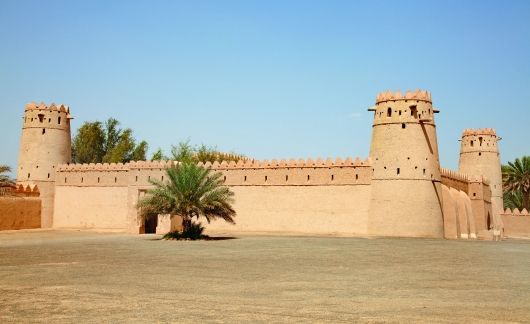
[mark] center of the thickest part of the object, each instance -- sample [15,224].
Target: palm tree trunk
[186,223]
[526,200]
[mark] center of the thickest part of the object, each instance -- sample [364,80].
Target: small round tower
[479,156]
[45,143]
[406,198]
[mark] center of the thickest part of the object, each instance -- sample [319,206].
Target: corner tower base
[407,208]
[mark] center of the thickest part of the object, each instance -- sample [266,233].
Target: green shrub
[192,232]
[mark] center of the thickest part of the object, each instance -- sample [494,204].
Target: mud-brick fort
[398,190]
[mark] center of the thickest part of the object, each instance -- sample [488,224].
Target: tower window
[479,153]
[49,120]
[41,118]
[413,111]
[48,176]
[115,179]
[266,178]
[224,178]
[286,178]
[332,177]
[163,178]
[43,131]
[82,180]
[356,177]
[424,171]
[136,179]
[59,120]
[471,143]
[29,175]
[245,179]
[398,171]
[98,179]
[308,178]
[403,126]
[389,112]
[480,141]
[64,179]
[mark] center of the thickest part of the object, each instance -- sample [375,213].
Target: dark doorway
[150,225]
[489,222]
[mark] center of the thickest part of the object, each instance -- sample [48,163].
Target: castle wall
[516,223]
[305,209]
[92,199]
[91,207]
[278,196]
[20,213]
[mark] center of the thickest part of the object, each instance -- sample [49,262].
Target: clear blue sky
[270,79]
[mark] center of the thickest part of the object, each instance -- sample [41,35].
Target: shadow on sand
[157,237]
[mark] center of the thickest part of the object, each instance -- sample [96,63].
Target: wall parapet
[291,172]
[249,164]
[515,212]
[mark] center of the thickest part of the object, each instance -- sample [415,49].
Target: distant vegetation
[516,183]
[97,142]
[185,152]
[6,183]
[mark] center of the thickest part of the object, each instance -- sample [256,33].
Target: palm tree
[5,181]
[516,179]
[190,191]
[513,200]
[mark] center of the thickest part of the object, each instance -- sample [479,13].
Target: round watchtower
[45,143]
[479,156]
[406,191]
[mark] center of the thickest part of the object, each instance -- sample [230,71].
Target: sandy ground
[48,276]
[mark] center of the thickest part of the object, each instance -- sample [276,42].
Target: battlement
[26,190]
[454,175]
[51,107]
[480,131]
[249,164]
[515,212]
[291,172]
[409,95]
[93,167]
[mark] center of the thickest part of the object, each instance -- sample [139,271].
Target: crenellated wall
[20,208]
[516,223]
[298,196]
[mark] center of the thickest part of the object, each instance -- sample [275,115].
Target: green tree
[158,155]
[516,182]
[6,183]
[513,200]
[88,145]
[96,142]
[184,151]
[191,192]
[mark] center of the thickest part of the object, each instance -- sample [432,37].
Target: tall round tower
[406,198]
[45,143]
[479,156]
